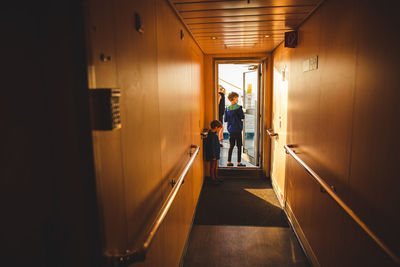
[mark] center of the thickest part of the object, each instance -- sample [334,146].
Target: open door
[251,89]
[278,128]
[243,77]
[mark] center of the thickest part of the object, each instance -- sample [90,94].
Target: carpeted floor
[239,223]
[244,246]
[240,202]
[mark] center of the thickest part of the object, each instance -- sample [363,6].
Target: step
[241,172]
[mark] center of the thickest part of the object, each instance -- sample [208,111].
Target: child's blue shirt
[212,147]
[234,116]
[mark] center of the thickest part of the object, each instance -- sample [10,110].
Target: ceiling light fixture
[214,38]
[266,36]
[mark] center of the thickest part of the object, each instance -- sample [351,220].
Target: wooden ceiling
[234,26]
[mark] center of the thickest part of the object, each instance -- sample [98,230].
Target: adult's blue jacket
[212,147]
[234,116]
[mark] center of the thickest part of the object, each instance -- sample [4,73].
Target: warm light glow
[214,38]
[262,194]
[266,36]
[279,124]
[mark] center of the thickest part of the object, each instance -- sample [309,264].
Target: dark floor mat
[243,246]
[240,202]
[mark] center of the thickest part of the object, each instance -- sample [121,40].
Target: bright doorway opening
[245,79]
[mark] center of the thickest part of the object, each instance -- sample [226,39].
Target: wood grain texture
[330,113]
[237,28]
[241,25]
[240,49]
[198,5]
[242,35]
[100,24]
[209,13]
[261,15]
[160,77]
[373,181]
[256,18]
[110,187]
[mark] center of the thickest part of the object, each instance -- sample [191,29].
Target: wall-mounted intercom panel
[105,109]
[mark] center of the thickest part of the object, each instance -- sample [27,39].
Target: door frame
[246,60]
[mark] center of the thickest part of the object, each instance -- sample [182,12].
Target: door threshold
[241,172]
[239,168]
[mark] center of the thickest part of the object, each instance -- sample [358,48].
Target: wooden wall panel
[197,82]
[160,77]
[101,39]
[330,113]
[373,181]
[180,67]
[337,59]
[110,187]
[138,80]
[174,87]
[100,24]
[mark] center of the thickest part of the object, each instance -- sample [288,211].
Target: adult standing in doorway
[221,111]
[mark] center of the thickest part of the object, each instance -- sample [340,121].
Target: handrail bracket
[129,258]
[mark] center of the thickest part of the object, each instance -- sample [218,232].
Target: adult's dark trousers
[235,139]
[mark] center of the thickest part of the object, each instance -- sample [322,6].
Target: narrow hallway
[240,223]
[107,104]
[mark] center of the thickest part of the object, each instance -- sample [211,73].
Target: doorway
[245,79]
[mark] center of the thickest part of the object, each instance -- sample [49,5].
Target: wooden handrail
[139,254]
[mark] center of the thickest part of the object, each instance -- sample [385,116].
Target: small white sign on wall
[314,63]
[306,65]
[310,64]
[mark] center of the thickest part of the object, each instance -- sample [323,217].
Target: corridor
[107,104]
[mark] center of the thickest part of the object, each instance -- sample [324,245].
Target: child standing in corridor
[212,149]
[234,116]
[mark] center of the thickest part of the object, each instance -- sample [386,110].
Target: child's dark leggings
[213,169]
[235,138]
